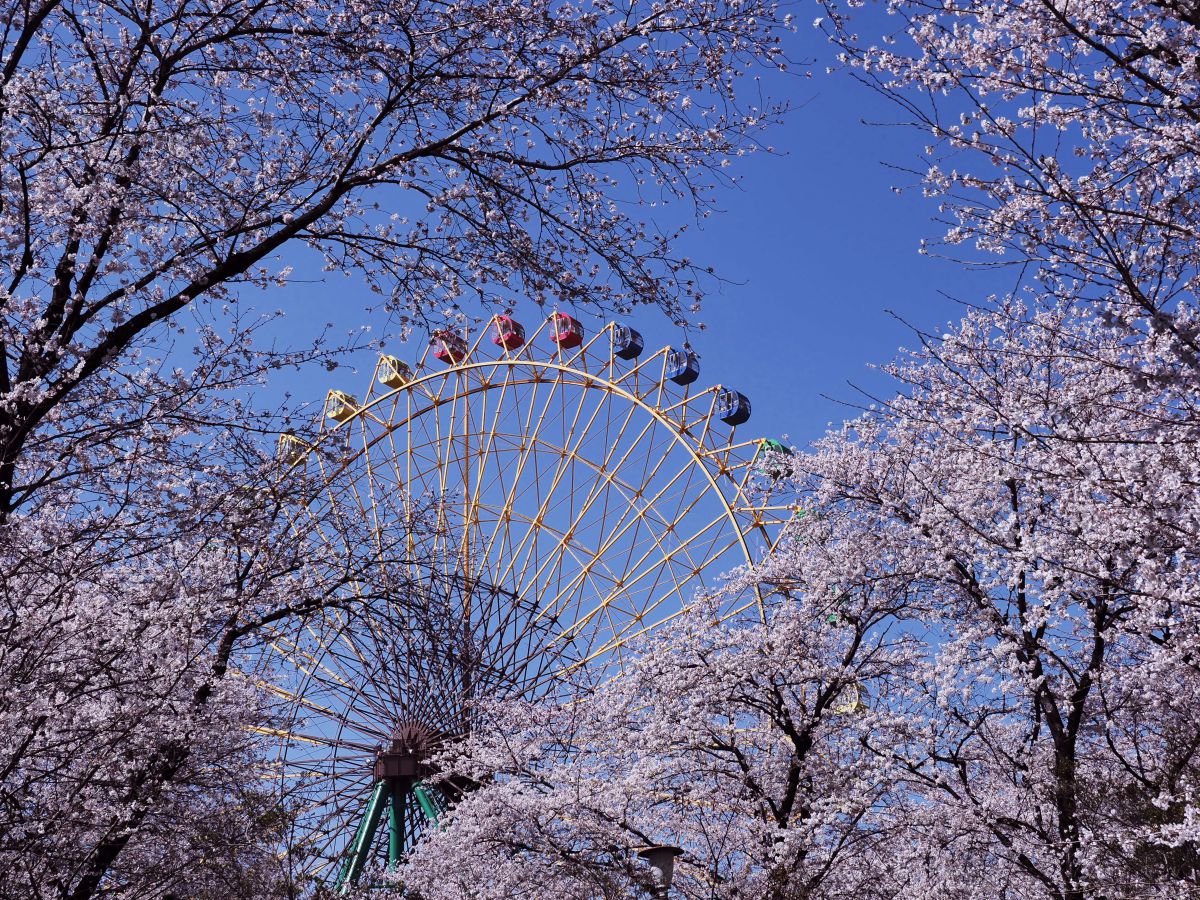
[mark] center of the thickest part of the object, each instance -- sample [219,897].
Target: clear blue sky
[817,246]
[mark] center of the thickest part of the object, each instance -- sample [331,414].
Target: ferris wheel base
[388,794]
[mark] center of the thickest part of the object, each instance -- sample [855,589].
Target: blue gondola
[733,407]
[627,343]
[683,366]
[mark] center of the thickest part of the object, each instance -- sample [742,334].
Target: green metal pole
[344,874]
[428,806]
[395,829]
[360,849]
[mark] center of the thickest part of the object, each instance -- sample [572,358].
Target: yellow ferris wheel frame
[728,465]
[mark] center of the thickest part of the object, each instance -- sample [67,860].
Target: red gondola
[510,334]
[565,331]
[448,347]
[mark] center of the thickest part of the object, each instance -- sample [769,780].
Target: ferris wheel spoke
[318,780]
[327,679]
[474,440]
[545,609]
[655,561]
[531,452]
[345,636]
[315,739]
[679,571]
[685,543]
[632,634]
[602,481]
[500,506]
[705,440]
[409,644]
[606,478]
[375,698]
[299,699]
[633,515]
[361,512]
[523,551]
[350,796]
[386,686]
[325,739]
[661,382]
[509,621]
[648,368]
[314,763]
[659,499]
[380,492]
[321,835]
[567,452]
[503,516]
[473,506]
[292,652]
[432,427]
[307,790]
[328,473]
[505,511]
[444,433]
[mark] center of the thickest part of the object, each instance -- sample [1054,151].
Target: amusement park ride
[534,503]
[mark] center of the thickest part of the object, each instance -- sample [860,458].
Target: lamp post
[661,858]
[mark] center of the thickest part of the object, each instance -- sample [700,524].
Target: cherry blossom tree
[1033,495]
[161,155]
[158,158]
[135,591]
[742,745]
[107,686]
[1047,459]
[138,730]
[1061,140]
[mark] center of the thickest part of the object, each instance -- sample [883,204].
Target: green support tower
[399,773]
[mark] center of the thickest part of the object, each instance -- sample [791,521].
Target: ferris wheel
[529,504]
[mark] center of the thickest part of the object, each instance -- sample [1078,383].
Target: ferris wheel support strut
[364,835]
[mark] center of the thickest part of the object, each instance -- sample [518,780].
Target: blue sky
[816,245]
[821,247]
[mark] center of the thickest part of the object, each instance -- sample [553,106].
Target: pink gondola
[510,334]
[448,347]
[565,331]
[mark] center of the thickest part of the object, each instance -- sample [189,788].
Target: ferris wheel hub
[407,756]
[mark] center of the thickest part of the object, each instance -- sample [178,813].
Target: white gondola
[290,449]
[340,406]
[392,372]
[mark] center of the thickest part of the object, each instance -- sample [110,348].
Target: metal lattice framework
[527,510]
